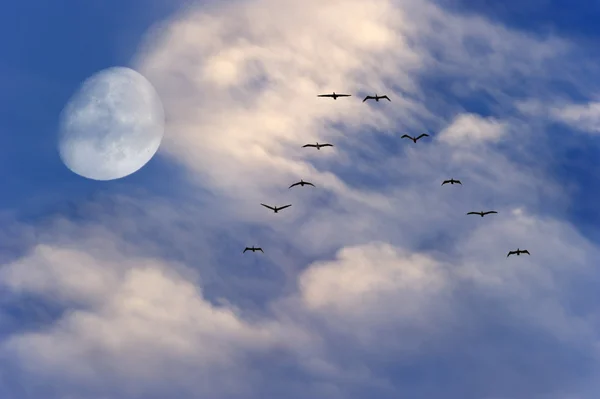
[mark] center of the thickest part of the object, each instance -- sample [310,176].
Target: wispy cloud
[585,117]
[472,128]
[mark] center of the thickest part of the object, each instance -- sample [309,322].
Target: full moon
[112,126]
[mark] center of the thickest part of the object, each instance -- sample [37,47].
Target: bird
[275,208]
[317,146]
[302,183]
[376,98]
[253,249]
[334,96]
[518,252]
[482,214]
[452,181]
[414,139]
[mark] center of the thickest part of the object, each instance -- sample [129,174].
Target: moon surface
[112,126]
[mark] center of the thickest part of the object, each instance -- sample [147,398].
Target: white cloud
[585,117]
[153,320]
[472,128]
[133,320]
[351,283]
[250,116]
[243,139]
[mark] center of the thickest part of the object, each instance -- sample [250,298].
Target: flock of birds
[318,146]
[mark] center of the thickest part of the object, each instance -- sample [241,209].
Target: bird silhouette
[518,252]
[302,183]
[276,208]
[317,146]
[482,214]
[414,139]
[253,249]
[451,181]
[376,98]
[334,96]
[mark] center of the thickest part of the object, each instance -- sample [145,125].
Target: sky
[375,283]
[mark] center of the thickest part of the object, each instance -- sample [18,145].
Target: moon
[112,126]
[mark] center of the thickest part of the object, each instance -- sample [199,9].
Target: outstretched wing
[525,252]
[344,95]
[368,98]
[458,182]
[511,253]
[406,136]
[309,145]
[309,184]
[326,145]
[267,206]
[386,97]
[260,249]
[445,182]
[283,207]
[247,249]
[295,184]
[325,95]
[423,135]
[488,212]
[473,213]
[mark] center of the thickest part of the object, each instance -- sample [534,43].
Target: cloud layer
[374,283]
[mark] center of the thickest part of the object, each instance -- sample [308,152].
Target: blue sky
[374,283]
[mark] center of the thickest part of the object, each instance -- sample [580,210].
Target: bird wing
[309,184]
[525,252]
[386,97]
[260,249]
[488,212]
[458,182]
[295,184]
[245,250]
[368,98]
[344,95]
[473,213]
[326,145]
[407,136]
[445,181]
[309,145]
[283,207]
[325,95]
[423,135]
[511,253]
[267,206]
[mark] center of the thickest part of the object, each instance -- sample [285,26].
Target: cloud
[584,117]
[131,320]
[472,128]
[385,302]
[375,282]
[276,65]
[350,284]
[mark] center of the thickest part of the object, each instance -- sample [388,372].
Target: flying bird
[376,98]
[253,249]
[275,208]
[414,139]
[518,252]
[334,96]
[317,146]
[302,183]
[452,181]
[482,214]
